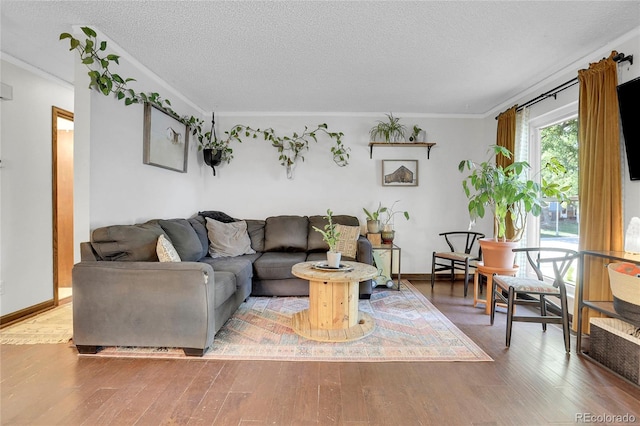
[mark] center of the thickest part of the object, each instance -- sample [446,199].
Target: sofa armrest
[87,253]
[365,252]
[143,304]
[365,255]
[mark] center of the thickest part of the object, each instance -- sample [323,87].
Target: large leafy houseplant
[508,191]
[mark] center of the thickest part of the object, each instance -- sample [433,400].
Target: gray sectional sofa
[124,296]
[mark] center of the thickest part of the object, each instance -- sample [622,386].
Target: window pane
[559,222]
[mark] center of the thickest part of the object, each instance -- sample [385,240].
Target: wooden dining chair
[537,291]
[462,256]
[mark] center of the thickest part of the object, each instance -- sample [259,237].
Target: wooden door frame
[55,114]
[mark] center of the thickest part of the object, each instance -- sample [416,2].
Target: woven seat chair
[461,257]
[536,291]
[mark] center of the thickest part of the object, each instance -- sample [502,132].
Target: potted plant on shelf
[373,218]
[388,233]
[375,224]
[388,131]
[415,135]
[510,195]
[330,235]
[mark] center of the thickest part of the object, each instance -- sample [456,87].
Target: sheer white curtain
[522,154]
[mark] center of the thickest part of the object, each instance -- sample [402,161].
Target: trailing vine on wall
[93,54]
[291,148]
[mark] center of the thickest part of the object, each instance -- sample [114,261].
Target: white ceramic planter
[333,259]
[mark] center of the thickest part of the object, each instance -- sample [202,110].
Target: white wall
[254,185]
[115,187]
[26,230]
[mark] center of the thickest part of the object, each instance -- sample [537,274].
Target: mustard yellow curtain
[599,180]
[506,137]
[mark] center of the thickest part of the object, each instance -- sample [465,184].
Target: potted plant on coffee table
[330,235]
[510,195]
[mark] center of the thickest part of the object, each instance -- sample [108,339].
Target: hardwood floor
[532,383]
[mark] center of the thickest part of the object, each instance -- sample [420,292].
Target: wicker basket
[624,280]
[613,345]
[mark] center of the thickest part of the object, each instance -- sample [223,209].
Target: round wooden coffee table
[333,314]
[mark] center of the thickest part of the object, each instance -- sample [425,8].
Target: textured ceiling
[446,57]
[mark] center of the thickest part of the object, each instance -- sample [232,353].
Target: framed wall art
[399,172]
[166,140]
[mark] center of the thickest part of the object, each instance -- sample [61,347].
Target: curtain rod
[620,57]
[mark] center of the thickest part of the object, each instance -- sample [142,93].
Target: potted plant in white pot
[330,235]
[506,191]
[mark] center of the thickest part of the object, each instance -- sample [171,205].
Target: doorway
[62,183]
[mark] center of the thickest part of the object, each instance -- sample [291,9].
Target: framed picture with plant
[399,172]
[166,140]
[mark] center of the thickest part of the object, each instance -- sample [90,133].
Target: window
[558,226]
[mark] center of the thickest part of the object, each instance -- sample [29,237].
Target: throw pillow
[166,251]
[217,215]
[348,240]
[228,239]
[315,243]
[184,239]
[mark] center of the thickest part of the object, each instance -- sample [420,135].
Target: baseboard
[427,277]
[25,313]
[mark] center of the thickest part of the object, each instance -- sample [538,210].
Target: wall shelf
[427,145]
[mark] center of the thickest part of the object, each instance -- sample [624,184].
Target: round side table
[488,272]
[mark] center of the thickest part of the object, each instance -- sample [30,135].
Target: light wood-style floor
[532,383]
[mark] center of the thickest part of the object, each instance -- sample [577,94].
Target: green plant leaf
[89,32]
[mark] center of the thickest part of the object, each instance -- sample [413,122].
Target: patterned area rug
[53,326]
[407,328]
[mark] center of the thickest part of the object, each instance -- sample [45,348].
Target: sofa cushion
[286,233]
[224,287]
[132,243]
[228,239]
[255,229]
[165,250]
[198,225]
[314,241]
[276,266]
[240,266]
[348,240]
[184,238]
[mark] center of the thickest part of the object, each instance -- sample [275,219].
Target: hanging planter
[212,158]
